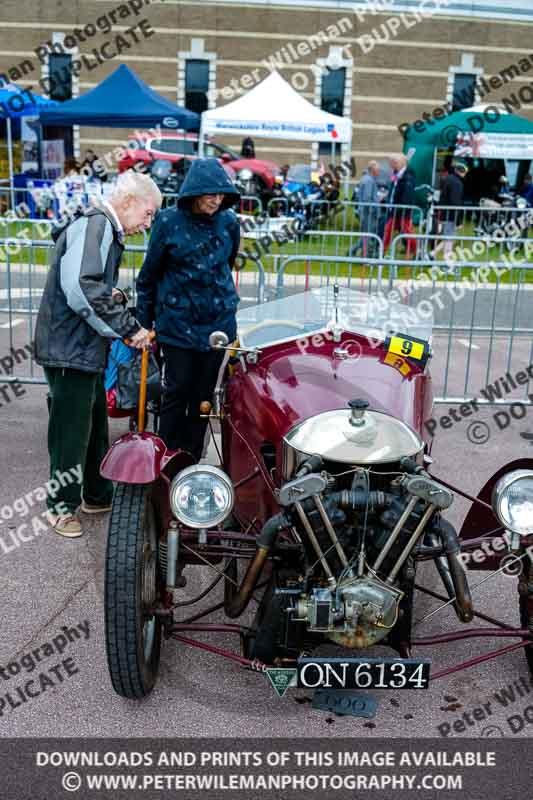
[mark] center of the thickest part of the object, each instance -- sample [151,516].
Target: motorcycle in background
[169,176]
[508,214]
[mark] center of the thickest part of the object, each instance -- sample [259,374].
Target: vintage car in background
[324,497]
[256,176]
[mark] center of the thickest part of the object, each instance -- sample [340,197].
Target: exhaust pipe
[236,600]
[452,571]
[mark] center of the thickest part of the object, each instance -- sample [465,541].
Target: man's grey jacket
[77,315]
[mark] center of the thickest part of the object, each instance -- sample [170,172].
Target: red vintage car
[324,495]
[256,175]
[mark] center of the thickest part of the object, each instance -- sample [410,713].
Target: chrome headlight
[521,203]
[201,496]
[512,501]
[245,174]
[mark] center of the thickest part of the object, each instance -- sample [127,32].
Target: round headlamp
[201,496]
[512,501]
[246,174]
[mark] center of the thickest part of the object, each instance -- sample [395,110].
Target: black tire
[133,637]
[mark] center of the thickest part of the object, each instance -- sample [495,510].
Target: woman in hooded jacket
[185,290]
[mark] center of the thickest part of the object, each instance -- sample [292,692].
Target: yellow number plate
[408,347]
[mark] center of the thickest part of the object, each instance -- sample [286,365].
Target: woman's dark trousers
[190,378]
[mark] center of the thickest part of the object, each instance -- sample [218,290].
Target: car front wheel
[133,631]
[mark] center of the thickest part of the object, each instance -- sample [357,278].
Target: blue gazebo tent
[121,100]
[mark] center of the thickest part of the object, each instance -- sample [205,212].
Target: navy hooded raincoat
[185,287]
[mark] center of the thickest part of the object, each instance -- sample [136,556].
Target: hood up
[207,176]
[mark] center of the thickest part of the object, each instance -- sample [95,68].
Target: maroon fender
[139,458]
[481,521]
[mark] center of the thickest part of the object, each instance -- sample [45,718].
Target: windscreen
[317,310]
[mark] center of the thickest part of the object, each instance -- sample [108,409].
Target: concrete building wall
[395,80]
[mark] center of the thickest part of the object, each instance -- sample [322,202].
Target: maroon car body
[324,446]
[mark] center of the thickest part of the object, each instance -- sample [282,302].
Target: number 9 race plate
[417,350]
[363,673]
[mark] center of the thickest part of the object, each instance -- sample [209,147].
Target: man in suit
[399,201]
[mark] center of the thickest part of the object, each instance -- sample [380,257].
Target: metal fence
[23,276]
[504,223]
[483,323]
[483,326]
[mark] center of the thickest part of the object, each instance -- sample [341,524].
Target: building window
[60,76]
[332,99]
[333,83]
[196,84]
[463,90]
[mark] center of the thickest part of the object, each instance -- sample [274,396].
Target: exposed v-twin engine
[357,542]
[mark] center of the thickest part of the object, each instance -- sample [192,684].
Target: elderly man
[368,210]
[401,196]
[77,318]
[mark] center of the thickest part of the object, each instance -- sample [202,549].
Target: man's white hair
[135,184]
[399,158]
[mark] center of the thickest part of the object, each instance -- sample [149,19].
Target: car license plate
[363,673]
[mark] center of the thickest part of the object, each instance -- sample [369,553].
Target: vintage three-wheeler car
[324,495]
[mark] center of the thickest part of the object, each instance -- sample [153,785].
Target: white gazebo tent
[274,109]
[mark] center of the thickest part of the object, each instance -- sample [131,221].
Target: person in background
[71,168]
[368,210]
[77,319]
[401,194]
[504,192]
[185,288]
[527,190]
[526,187]
[92,167]
[248,147]
[69,190]
[452,194]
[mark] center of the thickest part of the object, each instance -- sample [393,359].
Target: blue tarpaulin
[16,102]
[122,100]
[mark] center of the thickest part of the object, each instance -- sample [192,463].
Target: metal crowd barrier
[23,276]
[487,213]
[333,218]
[250,204]
[42,199]
[515,251]
[483,323]
[482,329]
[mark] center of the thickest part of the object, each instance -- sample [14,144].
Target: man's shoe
[87,508]
[67,525]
